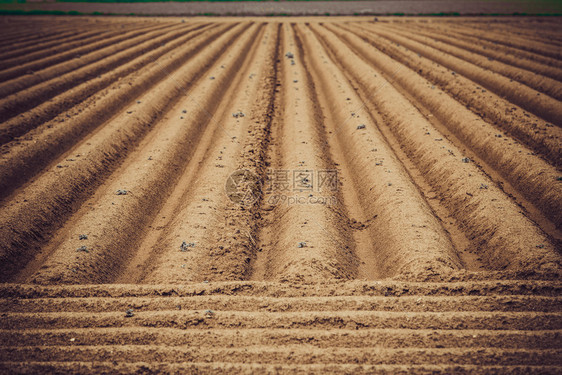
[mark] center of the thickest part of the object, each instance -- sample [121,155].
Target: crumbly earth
[280,195]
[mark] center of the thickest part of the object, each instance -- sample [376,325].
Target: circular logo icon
[243,187]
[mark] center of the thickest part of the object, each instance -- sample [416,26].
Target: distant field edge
[42,12]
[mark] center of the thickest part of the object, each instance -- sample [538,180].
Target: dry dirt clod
[83,248]
[185,246]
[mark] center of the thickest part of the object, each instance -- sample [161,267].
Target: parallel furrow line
[386,191]
[147,52]
[199,211]
[23,159]
[509,56]
[56,79]
[62,190]
[541,105]
[36,63]
[200,320]
[482,211]
[529,129]
[148,175]
[414,303]
[532,79]
[535,179]
[283,355]
[320,338]
[302,241]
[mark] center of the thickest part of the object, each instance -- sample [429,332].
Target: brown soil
[438,250]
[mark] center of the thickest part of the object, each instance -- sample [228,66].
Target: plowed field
[280,195]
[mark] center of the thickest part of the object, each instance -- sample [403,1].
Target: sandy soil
[128,245]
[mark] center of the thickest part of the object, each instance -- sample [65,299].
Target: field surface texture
[280,195]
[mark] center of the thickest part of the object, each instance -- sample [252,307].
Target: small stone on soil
[83,248]
[185,246]
[129,313]
[362,126]
[301,244]
[121,192]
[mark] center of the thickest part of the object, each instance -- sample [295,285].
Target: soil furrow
[23,158]
[60,190]
[514,41]
[532,79]
[412,303]
[21,49]
[199,212]
[532,131]
[251,368]
[541,105]
[37,90]
[45,44]
[151,49]
[448,287]
[511,56]
[56,50]
[280,195]
[202,320]
[36,68]
[481,211]
[535,179]
[284,355]
[148,176]
[320,338]
[304,235]
[393,201]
